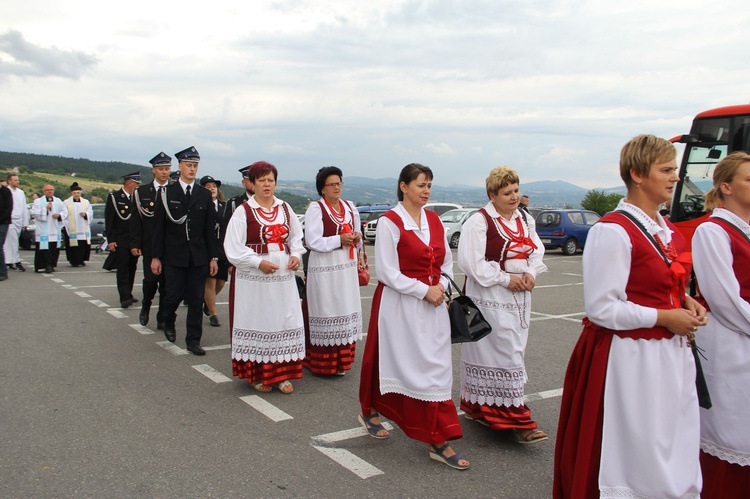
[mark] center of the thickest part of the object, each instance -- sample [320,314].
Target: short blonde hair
[725,171]
[499,177]
[641,152]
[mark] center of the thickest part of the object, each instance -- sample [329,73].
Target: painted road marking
[543,395]
[211,373]
[356,465]
[69,286]
[83,294]
[116,313]
[100,286]
[565,317]
[559,285]
[55,279]
[266,408]
[141,329]
[218,347]
[99,303]
[171,348]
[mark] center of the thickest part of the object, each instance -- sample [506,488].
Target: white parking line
[172,348]
[114,312]
[338,436]
[100,286]
[141,329]
[211,373]
[565,317]
[559,285]
[356,465]
[266,408]
[83,294]
[543,395]
[218,347]
[69,286]
[99,303]
[55,279]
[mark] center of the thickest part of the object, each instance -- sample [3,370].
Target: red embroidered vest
[330,227]
[498,244]
[740,256]
[650,280]
[259,234]
[414,259]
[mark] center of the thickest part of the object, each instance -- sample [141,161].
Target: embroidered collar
[727,215]
[492,212]
[658,229]
[408,222]
[254,204]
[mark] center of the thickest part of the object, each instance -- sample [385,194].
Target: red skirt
[501,418]
[269,373]
[325,360]
[429,422]
[723,480]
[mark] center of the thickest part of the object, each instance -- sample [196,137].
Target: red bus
[714,134]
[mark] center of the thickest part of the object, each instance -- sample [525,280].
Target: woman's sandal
[373,429]
[259,386]
[438,454]
[285,387]
[529,436]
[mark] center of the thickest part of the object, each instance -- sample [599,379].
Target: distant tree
[600,202]
[298,203]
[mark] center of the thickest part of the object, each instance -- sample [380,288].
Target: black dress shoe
[160,325]
[10,266]
[49,270]
[20,267]
[134,299]
[143,316]
[196,349]
[169,333]
[214,320]
[126,303]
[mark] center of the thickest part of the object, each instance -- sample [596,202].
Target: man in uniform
[185,248]
[236,201]
[118,215]
[77,228]
[19,221]
[49,212]
[142,236]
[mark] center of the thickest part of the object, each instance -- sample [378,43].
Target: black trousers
[46,258]
[186,283]
[127,264]
[151,284]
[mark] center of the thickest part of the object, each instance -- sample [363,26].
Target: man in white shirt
[19,221]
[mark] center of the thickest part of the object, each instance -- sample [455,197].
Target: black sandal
[438,454]
[372,428]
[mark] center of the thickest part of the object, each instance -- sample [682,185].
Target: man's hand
[156,266]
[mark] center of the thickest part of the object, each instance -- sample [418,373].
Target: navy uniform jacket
[193,240]
[118,214]
[143,225]
[232,205]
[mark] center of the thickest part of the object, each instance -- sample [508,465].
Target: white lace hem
[729,455]
[340,330]
[626,493]
[264,346]
[427,394]
[493,385]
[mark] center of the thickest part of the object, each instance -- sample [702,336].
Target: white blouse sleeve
[386,262]
[314,231]
[712,259]
[606,269]
[471,250]
[296,248]
[536,259]
[237,252]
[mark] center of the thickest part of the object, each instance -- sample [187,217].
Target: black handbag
[467,322]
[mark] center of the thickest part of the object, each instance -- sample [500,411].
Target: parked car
[441,208]
[368,214]
[565,229]
[453,220]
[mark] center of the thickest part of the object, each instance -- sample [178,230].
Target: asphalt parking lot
[94,405]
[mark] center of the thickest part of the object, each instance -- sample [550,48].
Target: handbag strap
[448,291]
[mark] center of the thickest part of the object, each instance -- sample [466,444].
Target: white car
[453,220]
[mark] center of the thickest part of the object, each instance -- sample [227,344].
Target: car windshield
[452,216]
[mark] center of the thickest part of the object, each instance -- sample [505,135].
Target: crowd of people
[630,422]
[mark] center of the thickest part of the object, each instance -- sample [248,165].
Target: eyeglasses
[334,184]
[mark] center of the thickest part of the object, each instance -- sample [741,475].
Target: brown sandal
[529,436]
[285,387]
[259,386]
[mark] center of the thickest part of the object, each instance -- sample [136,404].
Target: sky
[553,88]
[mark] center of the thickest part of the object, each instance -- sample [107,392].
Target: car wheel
[570,247]
[454,240]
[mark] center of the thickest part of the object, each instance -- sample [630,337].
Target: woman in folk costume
[629,422]
[264,243]
[501,254]
[721,251]
[334,309]
[407,372]
[78,239]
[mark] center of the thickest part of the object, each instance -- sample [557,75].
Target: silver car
[453,220]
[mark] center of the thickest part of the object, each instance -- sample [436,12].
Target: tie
[158,192]
[187,193]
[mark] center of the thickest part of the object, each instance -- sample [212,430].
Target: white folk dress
[267,325]
[725,428]
[493,371]
[333,300]
[650,434]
